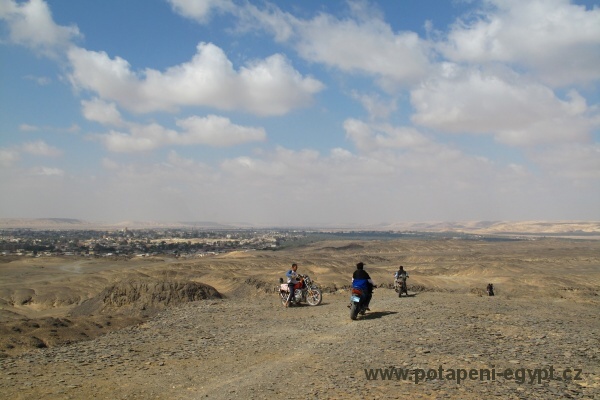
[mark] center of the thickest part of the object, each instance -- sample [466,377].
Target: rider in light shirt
[292,279]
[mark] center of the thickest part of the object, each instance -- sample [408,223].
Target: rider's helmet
[360,265]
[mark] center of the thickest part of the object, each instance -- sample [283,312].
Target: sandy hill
[475,227]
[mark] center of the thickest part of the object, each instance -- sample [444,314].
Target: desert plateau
[166,166]
[214,327]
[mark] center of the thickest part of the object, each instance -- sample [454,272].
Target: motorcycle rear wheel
[353,310]
[314,297]
[284,297]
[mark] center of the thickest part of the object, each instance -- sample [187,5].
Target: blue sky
[300,113]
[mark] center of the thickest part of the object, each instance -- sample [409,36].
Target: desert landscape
[213,327]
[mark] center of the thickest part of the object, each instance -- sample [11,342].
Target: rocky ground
[127,329]
[252,347]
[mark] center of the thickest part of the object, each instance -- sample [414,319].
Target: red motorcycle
[304,291]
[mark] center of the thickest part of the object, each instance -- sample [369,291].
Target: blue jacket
[360,280]
[292,276]
[362,284]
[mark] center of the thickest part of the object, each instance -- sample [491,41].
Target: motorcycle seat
[285,287]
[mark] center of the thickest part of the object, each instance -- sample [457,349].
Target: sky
[300,113]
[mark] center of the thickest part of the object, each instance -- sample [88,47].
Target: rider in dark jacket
[361,280]
[398,274]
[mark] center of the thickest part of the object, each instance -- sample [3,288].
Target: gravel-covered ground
[252,347]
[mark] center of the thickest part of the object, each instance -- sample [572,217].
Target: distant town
[136,243]
[179,242]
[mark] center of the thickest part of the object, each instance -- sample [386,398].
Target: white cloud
[284,166]
[517,111]
[304,187]
[420,183]
[8,157]
[576,161]
[270,18]
[211,130]
[141,138]
[377,107]
[41,148]
[173,171]
[250,17]
[109,164]
[31,24]
[264,87]
[498,78]
[111,79]
[40,80]
[558,40]
[362,43]
[374,137]
[200,10]
[28,128]
[101,111]
[47,171]
[384,153]
[74,128]
[368,46]
[273,87]
[176,160]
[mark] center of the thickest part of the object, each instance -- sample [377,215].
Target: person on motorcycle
[400,281]
[292,280]
[362,281]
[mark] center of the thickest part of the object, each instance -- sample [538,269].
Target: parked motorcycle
[304,291]
[400,285]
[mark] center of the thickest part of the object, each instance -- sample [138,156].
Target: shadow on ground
[378,314]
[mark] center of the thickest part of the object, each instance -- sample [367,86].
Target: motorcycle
[357,305]
[304,291]
[400,285]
